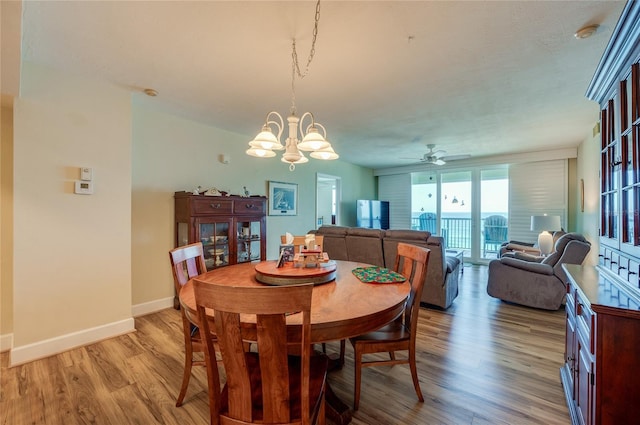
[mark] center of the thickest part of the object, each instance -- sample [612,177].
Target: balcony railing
[456,232]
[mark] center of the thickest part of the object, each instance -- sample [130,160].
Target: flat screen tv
[372,214]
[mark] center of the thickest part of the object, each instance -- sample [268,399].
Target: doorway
[328,196]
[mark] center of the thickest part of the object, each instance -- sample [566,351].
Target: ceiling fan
[432,157]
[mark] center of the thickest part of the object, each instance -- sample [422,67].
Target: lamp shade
[266,140]
[313,141]
[260,153]
[550,223]
[325,154]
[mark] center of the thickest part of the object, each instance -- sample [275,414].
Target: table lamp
[545,224]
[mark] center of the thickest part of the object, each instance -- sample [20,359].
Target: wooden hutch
[232,229]
[602,355]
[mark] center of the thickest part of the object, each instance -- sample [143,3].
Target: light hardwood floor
[480,362]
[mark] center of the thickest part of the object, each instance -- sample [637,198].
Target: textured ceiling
[476,78]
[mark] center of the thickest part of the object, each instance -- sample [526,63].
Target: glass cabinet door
[248,241]
[214,236]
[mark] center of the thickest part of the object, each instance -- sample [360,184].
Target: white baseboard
[151,306]
[6,341]
[49,347]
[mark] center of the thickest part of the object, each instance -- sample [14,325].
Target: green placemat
[375,274]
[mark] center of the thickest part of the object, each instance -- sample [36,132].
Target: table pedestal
[336,410]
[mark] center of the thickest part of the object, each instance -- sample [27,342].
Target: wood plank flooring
[481,362]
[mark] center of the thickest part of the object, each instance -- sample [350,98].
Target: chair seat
[394,331]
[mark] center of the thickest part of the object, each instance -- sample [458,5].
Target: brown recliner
[535,281]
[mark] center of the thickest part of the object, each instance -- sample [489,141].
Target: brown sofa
[379,247]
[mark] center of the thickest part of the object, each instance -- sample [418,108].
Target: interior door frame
[336,181]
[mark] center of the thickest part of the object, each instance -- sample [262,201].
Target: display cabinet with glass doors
[232,229]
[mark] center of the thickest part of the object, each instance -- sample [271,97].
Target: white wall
[72,253]
[172,154]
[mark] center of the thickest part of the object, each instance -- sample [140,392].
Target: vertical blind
[397,190]
[536,188]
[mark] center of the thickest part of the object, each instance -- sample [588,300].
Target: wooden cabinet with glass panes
[616,87]
[602,344]
[232,229]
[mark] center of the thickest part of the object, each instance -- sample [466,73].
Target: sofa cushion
[560,245]
[407,235]
[334,241]
[365,245]
[392,237]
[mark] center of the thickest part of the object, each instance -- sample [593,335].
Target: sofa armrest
[527,265]
[526,257]
[522,248]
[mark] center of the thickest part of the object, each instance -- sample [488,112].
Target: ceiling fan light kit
[314,138]
[586,32]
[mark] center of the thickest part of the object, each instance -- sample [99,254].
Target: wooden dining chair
[187,262]
[266,385]
[399,335]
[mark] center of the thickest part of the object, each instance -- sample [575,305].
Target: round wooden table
[340,309]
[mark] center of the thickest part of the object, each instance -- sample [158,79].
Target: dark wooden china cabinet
[232,229]
[602,346]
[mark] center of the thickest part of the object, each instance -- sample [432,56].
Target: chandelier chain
[295,66]
[312,52]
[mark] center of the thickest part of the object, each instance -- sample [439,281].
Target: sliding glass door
[457,200]
[494,211]
[468,208]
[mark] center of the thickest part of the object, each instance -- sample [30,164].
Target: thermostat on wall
[84,187]
[86,173]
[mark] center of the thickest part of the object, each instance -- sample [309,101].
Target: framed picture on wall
[283,198]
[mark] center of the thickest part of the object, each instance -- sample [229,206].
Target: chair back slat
[411,262]
[270,306]
[187,262]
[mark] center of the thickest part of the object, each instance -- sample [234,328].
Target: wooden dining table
[342,308]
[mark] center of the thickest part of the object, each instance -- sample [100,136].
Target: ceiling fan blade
[456,157]
[439,153]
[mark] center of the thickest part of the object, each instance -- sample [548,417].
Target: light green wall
[172,154]
[587,221]
[100,255]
